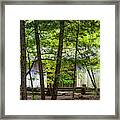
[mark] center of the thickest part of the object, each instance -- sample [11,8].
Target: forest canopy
[60,49]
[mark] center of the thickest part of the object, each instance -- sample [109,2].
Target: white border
[13,15]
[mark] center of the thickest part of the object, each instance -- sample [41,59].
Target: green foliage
[88,54]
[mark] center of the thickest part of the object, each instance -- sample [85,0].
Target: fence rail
[65,89]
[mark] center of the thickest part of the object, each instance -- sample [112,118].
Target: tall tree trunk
[30,77]
[75,65]
[58,62]
[40,67]
[92,77]
[23,60]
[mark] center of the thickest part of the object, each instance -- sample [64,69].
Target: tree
[89,45]
[23,60]
[40,67]
[59,57]
[30,76]
[75,66]
[58,62]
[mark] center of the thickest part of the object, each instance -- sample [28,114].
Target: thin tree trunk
[91,79]
[75,60]
[40,67]
[94,82]
[23,60]
[30,67]
[58,62]
[93,76]
[30,77]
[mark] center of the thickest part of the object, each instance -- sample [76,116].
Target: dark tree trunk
[58,62]
[30,77]
[96,89]
[93,76]
[91,79]
[40,67]
[75,65]
[28,72]
[23,60]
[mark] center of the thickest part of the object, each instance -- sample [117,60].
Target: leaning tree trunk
[58,62]
[40,67]
[75,65]
[93,81]
[23,60]
[93,76]
[94,85]
[96,89]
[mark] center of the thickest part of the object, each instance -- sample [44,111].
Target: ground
[69,96]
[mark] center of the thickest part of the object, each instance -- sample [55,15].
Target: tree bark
[93,82]
[93,76]
[40,67]
[96,89]
[58,61]
[30,77]
[30,68]
[91,79]
[23,60]
[75,65]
